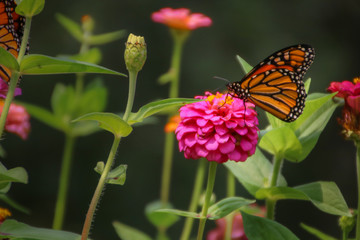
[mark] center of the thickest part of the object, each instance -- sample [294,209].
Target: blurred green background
[252,29]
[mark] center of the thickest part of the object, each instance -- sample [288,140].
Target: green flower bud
[347,223]
[135,53]
[87,23]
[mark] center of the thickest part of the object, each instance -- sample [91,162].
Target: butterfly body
[276,83]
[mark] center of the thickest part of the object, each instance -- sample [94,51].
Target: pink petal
[227,147]
[212,144]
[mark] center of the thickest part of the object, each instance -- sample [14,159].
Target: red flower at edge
[350,120]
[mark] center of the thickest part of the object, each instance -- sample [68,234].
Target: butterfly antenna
[220,78]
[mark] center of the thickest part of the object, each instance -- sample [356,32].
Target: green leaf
[320,235]
[106,37]
[93,99]
[307,83]
[265,229]
[281,142]
[160,219]
[326,196]
[308,127]
[227,206]
[128,233]
[30,8]
[63,102]
[36,64]
[157,106]
[246,67]
[71,26]
[44,116]
[109,122]
[8,60]
[180,213]
[92,56]
[254,173]
[117,176]
[12,203]
[17,174]
[14,229]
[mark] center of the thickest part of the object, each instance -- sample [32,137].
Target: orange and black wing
[276,83]
[11,31]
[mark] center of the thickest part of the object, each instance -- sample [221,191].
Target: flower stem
[358,185]
[270,204]
[230,193]
[25,39]
[64,182]
[99,189]
[131,95]
[199,180]
[209,190]
[179,40]
[167,165]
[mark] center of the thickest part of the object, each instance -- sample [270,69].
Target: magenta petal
[190,140]
[245,144]
[221,130]
[214,156]
[241,131]
[231,124]
[201,122]
[201,140]
[212,144]
[354,102]
[222,138]
[235,155]
[201,151]
[227,147]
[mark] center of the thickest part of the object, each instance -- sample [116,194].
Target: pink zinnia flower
[17,121]
[221,128]
[350,120]
[4,87]
[349,91]
[181,18]
[237,231]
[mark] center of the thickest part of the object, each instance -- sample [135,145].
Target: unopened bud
[347,223]
[87,23]
[135,53]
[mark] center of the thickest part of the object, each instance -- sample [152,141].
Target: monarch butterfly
[275,84]
[11,31]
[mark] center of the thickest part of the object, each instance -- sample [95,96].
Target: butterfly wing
[11,31]
[276,83]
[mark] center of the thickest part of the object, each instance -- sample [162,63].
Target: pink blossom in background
[237,231]
[4,87]
[17,121]
[181,18]
[220,128]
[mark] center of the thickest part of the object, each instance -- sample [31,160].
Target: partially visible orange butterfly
[276,83]
[11,31]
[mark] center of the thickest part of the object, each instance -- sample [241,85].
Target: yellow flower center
[356,80]
[4,213]
[228,99]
